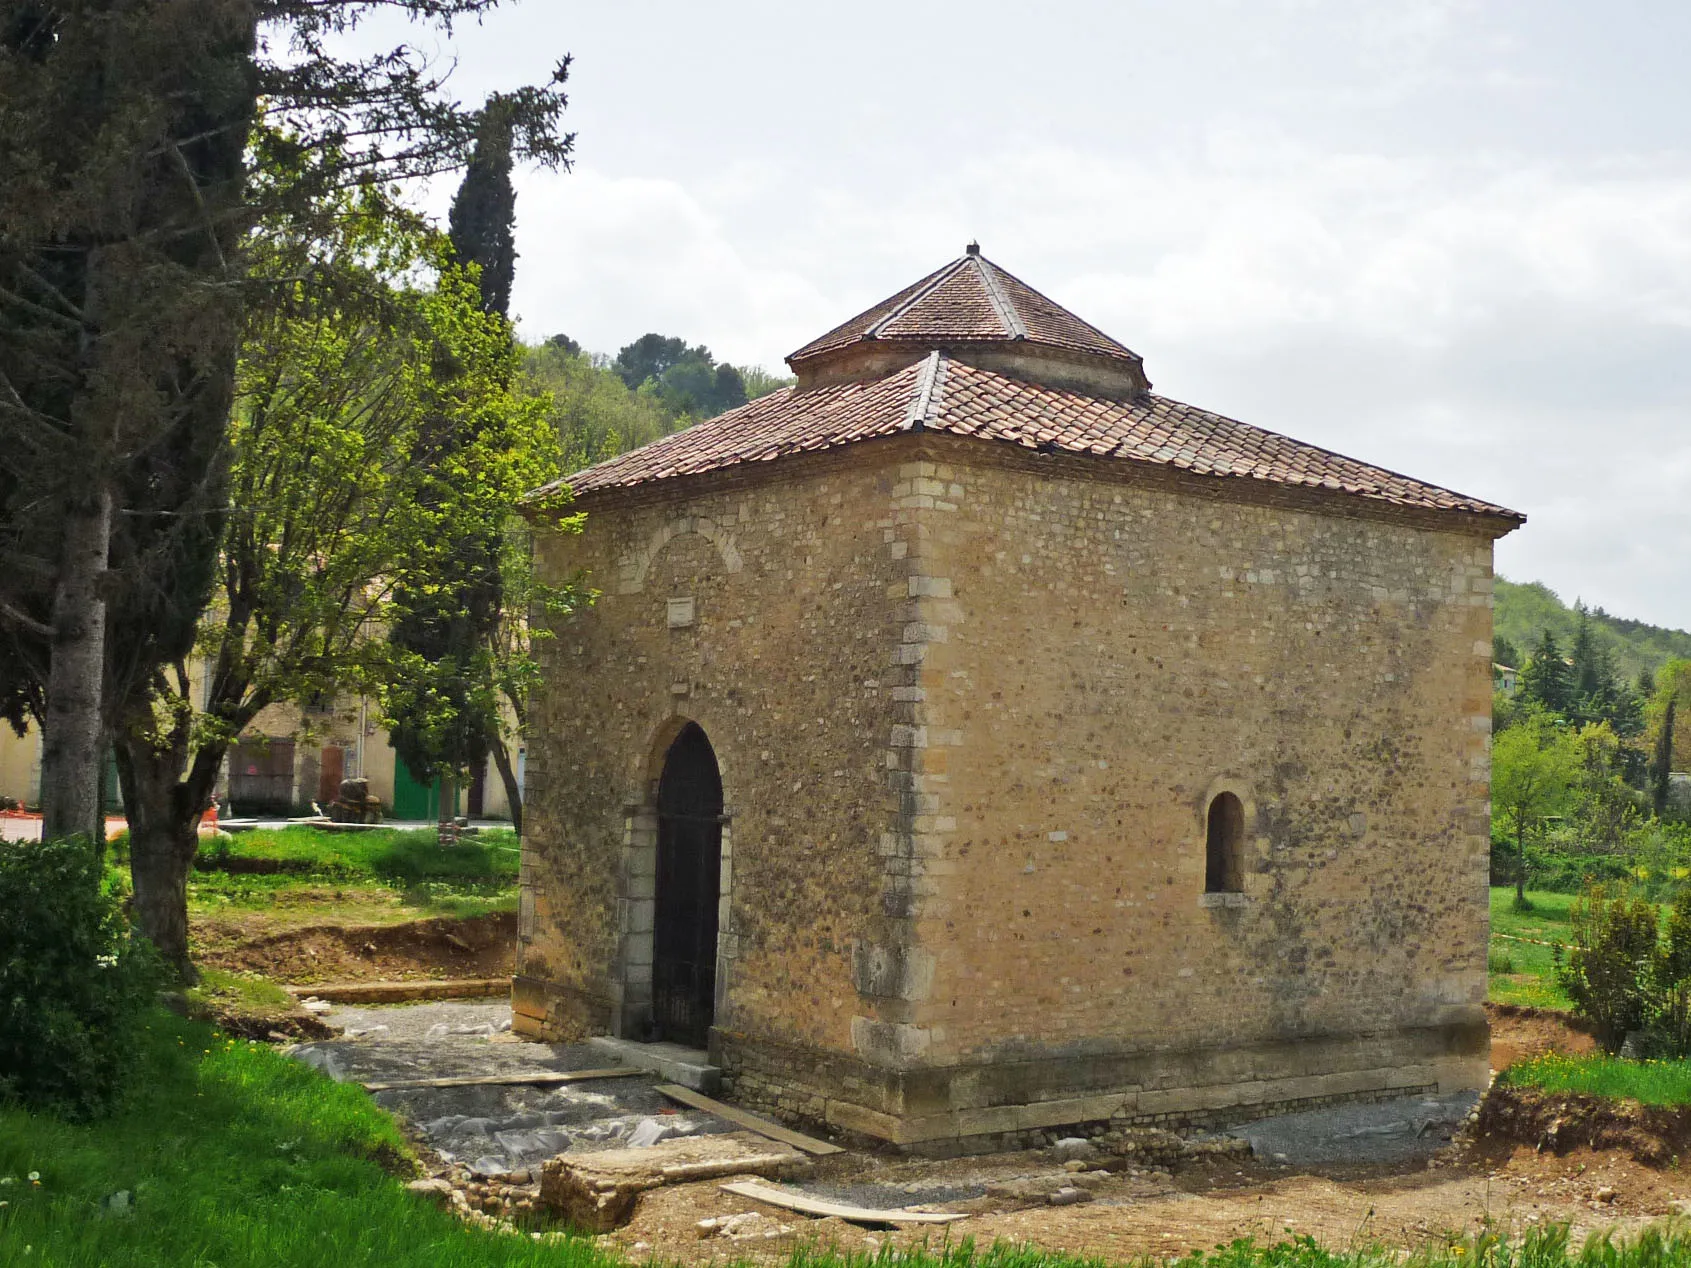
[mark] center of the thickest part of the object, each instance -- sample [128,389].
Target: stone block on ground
[597,1192]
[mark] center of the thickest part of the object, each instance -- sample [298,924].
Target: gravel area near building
[1389,1132]
[493,1130]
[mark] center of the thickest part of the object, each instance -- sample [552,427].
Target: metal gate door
[688,886]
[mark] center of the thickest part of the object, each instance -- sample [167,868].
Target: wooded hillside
[1526,609]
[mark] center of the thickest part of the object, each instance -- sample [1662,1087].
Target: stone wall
[971,708]
[761,612]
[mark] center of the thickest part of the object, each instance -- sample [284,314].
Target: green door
[411,798]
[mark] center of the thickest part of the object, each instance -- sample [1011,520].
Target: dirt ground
[1203,1206]
[1463,1188]
[1466,1187]
[319,953]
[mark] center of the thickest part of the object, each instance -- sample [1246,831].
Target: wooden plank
[807,1205]
[751,1122]
[545,1079]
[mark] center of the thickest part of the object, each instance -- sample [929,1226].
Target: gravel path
[1389,1132]
[494,1130]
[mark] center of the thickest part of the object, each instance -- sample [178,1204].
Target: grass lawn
[233,1156]
[265,881]
[1522,972]
[1652,1082]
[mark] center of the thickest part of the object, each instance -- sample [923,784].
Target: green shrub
[1497,961]
[1667,1004]
[74,986]
[1607,969]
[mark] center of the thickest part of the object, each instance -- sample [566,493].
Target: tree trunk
[446,827]
[73,730]
[1520,862]
[508,777]
[164,806]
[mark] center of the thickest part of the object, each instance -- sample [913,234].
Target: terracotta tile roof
[970,300]
[944,394]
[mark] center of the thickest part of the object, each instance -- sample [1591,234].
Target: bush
[1607,970]
[74,986]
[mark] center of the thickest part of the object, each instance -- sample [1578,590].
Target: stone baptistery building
[968,742]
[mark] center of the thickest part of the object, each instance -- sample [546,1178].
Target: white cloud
[605,260]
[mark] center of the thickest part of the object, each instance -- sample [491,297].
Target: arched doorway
[689,884]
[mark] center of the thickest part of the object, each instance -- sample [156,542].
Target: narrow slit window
[1224,871]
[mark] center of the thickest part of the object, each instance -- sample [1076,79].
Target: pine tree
[1547,680]
[1587,675]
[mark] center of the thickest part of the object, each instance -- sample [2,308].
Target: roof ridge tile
[1013,324]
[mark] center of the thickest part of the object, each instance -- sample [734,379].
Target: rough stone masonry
[1083,756]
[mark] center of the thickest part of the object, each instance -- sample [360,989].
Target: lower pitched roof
[944,394]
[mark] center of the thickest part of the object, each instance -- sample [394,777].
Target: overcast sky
[1451,238]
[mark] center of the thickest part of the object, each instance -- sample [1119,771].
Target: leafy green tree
[593,411]
[334,516]
[1547,680]
[1667,727]
[133,174]
[1534,767]
[688,380]
[1603,805]
[649,356]
[760,382]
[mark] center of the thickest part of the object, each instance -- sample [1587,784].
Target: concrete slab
[690,1067]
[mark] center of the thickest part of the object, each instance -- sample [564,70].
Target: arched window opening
[1224,848]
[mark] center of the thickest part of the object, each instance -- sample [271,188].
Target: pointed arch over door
[689,885]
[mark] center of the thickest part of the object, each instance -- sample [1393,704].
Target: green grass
[239,991]
[235,1156]
[392,855]
[1532,981]
[1651,1082]
[352,877]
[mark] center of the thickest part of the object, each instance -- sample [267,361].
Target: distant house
[289,757]
[1505,678]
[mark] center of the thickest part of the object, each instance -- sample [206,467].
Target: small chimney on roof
[974,248]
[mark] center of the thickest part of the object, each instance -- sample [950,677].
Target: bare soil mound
[1654,1135]
[1519,1032]
[417,950]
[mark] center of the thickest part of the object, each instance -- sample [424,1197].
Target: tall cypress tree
[444,715]
[1662,768]
[483,221]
